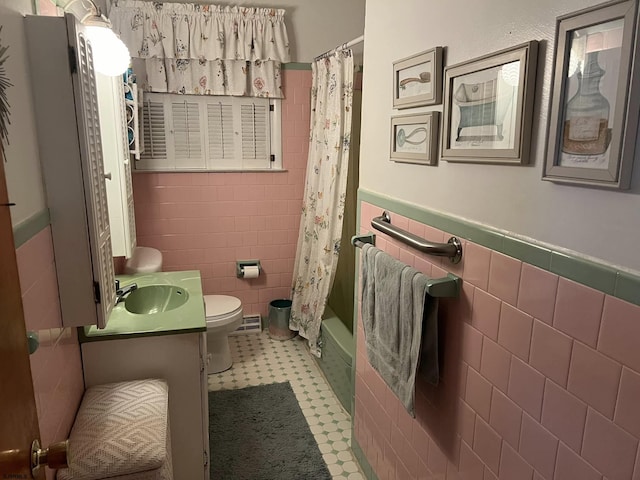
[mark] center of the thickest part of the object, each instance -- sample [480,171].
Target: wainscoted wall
[56,367]
[540,377]
[207,221]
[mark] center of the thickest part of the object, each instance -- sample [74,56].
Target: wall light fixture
[110,54]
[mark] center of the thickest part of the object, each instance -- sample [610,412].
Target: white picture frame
[414,138]
[595,143]
[488,107]
[417,80]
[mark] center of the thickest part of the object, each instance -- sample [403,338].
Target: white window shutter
[212,133]
[187,138]
[255,135]
[220,132]
[154,126]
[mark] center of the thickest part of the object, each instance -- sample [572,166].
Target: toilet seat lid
[217,305]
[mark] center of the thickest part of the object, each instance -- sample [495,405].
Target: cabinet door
[70,150]
[177,359]
[85,93]
[113,126]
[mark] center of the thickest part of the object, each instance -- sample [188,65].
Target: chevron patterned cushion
[121,431]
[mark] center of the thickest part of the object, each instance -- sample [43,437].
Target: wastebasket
[279,312]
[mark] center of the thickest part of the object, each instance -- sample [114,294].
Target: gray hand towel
[395,311]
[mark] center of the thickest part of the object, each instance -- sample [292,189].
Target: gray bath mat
[260,433]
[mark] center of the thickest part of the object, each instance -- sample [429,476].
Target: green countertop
[187,318]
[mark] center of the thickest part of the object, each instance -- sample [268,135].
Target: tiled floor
[258,360]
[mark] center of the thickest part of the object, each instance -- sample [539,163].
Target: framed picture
[595,97]
[488,107]
[414,138]
[417,80]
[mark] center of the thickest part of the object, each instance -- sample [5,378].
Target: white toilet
[224,315]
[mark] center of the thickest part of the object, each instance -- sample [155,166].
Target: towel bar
[451,249]
[448,286]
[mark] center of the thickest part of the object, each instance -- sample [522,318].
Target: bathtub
[338,349]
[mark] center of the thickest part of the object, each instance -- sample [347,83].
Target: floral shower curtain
[204,49]
[325,192]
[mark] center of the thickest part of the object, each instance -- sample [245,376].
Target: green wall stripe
[599,276]
[487,238]
[33,225]
[583,271]
[296,66]
[627,287]
[527,252]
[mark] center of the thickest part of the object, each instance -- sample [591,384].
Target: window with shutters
[187,132]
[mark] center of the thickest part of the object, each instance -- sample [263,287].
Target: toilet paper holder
[240,264]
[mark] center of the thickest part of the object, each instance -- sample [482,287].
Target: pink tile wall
[207,221]
[540,378]
[56,366]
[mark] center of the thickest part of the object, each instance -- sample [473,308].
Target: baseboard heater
[250,324]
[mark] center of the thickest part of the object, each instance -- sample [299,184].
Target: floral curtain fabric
[325,192]
[217,77]
[204,49]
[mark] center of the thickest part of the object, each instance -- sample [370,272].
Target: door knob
[53,457]
[20,463]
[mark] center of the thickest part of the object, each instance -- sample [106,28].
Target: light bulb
[110,54]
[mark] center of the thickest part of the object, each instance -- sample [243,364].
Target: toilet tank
[144,260]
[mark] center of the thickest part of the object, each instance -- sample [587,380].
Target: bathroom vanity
[166,339]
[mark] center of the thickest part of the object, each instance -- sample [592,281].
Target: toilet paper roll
[250,271]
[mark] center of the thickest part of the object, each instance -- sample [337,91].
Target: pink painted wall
[540,378]
[56,366]
[207,221]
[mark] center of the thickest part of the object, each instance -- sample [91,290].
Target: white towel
[395,305]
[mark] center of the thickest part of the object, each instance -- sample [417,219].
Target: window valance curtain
[204,49]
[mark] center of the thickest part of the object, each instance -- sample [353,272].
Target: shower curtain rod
[353,42]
